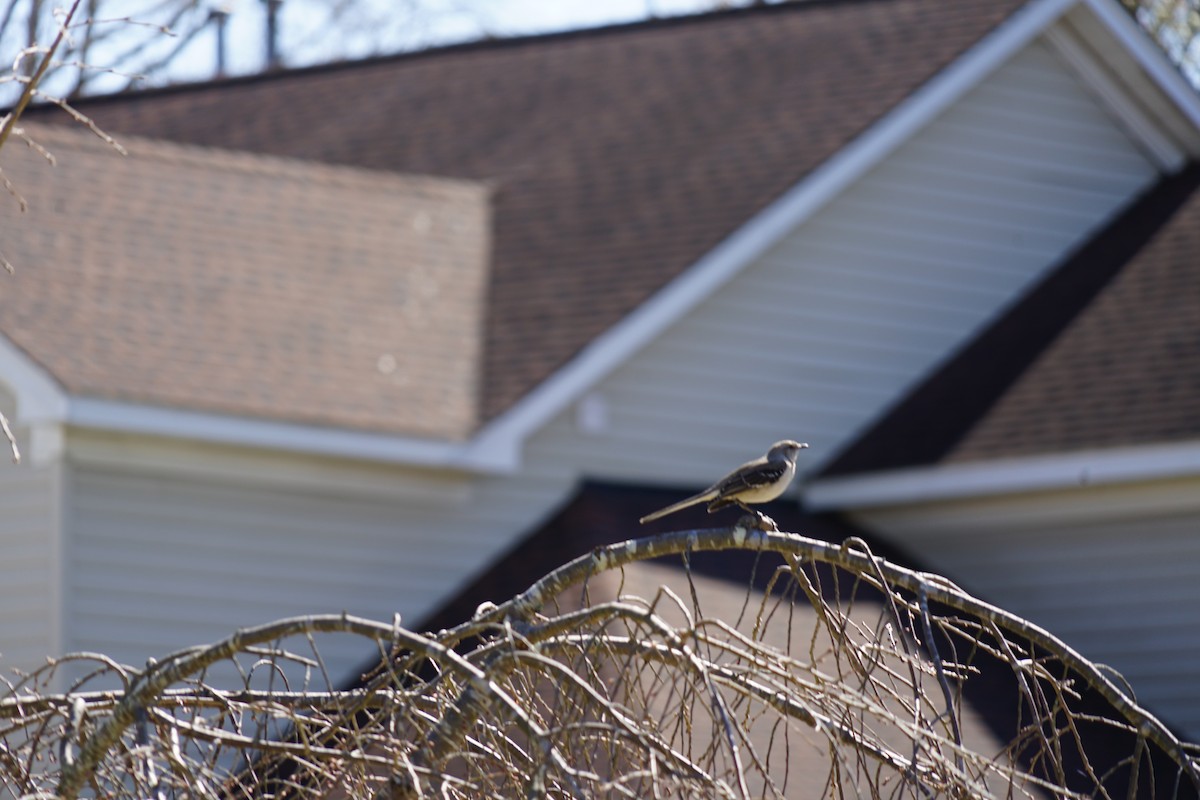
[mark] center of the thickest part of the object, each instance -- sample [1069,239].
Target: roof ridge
[481,44]
[244,161]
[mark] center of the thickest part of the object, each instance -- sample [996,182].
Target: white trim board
[39,396]
[44,407]
[1165,153]
[122,417]
[943,482]
[243,466]
[1148,55]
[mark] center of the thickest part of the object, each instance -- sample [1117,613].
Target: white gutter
[44,407]
[123,417]
[946,482]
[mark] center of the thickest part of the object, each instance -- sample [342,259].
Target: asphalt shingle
[1127,369]
[248,285]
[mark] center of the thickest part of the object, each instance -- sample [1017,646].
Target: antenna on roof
[273,61]
[219,16]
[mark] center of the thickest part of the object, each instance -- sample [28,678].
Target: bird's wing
[751,476]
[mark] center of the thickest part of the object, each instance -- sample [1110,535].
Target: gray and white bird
[757,481]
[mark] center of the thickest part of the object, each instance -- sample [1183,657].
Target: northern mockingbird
[757,481]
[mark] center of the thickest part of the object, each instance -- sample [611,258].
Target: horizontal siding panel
[159,563]
[29,497]
[160,571]
[841,295]
[934,229]
[837,293]
[965,222]
[1033,142]
[834,401]
[832,318]
[949,178]
[1087,170]
[832,384]
[648,429]
[937,274]
[25,562]
[23,610]
[644,430]
[1057,108]
[1036,72]
[857,344]
[817,369]
[659,456]
[693,409]
[1040,123]
[944,237]
[1122,591]
[834,323]
[1051,209]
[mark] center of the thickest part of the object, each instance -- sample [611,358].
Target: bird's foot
[758,520]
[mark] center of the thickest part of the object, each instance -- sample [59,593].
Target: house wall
[171,544]
[30,548]
[1114,571]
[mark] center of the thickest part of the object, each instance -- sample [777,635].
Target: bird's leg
[761,520]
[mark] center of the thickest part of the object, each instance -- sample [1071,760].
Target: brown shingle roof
[248,285]
[1125,372]
[618,156]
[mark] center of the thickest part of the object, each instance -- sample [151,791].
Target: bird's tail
[695,499]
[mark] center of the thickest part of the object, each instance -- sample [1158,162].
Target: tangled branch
[628,672]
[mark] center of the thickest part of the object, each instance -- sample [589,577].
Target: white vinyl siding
[160,559]
[1115,572]
[818,337]
[29,564]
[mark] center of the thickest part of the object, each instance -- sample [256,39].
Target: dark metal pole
[273,32]
[219,17]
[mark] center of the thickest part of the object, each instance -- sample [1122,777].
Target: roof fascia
[41,404]
[1149,56]
[1134,78]
[1166,154]
[958,481]
[499,442]
[40,399]
[123,417]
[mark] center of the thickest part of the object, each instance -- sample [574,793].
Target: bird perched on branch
[757,481]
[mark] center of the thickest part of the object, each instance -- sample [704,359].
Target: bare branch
[612,676]
[27,93]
